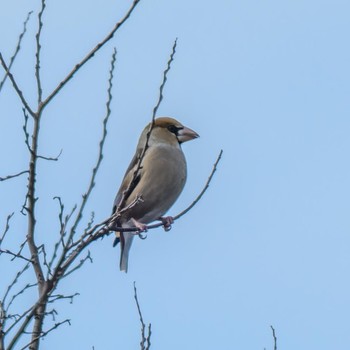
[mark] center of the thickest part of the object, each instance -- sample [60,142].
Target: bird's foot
[167,221]
[141,228]
[139,225]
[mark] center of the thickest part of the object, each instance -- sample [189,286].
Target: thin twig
[18,47]
[204,188]
[91,221]
[15,280]
[100,152]
[90,54]
[25,130]
[14,296]
[274,338]
[148,340]
[29,314]
[37,54]
[7,227]
[80,264]
[14,255]
[17,320]
[8,177]
[63,233]
[165,78]
[55,159]
[45,333]
[2,325]
[145,342]
[53,298]
[16,87]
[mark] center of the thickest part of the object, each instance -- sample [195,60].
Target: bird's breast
[163,177]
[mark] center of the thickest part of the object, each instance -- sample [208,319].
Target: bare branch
[53,298]
[80,264]
[165,74]
[63,232]
[14,255]
[274,338]
[55,159]
[90,54]
[37,312]
[60,215]
[37,54]
[18,47]
[90,223]
[30,208]
[204,188]
[145,342]
[16,87]
[25,130]
[2,323]
[45,333]
[15,280]
[26,140]
[14,296]
[7,227]
[8,177]
[18,318]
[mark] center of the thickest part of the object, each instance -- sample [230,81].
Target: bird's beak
[186,134]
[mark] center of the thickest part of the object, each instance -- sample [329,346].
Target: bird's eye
[173,129]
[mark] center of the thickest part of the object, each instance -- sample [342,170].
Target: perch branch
[182,213]
[204,188]
[104,228]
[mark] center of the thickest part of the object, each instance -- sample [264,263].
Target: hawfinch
[161,178]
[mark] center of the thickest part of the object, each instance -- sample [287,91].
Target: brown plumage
[161,179]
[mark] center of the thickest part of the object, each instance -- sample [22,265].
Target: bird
[160,180]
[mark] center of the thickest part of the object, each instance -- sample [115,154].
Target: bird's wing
[126,238]
[127,179]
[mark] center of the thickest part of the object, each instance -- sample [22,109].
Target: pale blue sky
[269,244]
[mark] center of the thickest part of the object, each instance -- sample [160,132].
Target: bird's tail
[125,245]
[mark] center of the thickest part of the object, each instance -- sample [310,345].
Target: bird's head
[169,130]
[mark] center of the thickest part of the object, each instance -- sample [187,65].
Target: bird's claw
[139,225]
[140,228]
[167,221]
[141,235]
